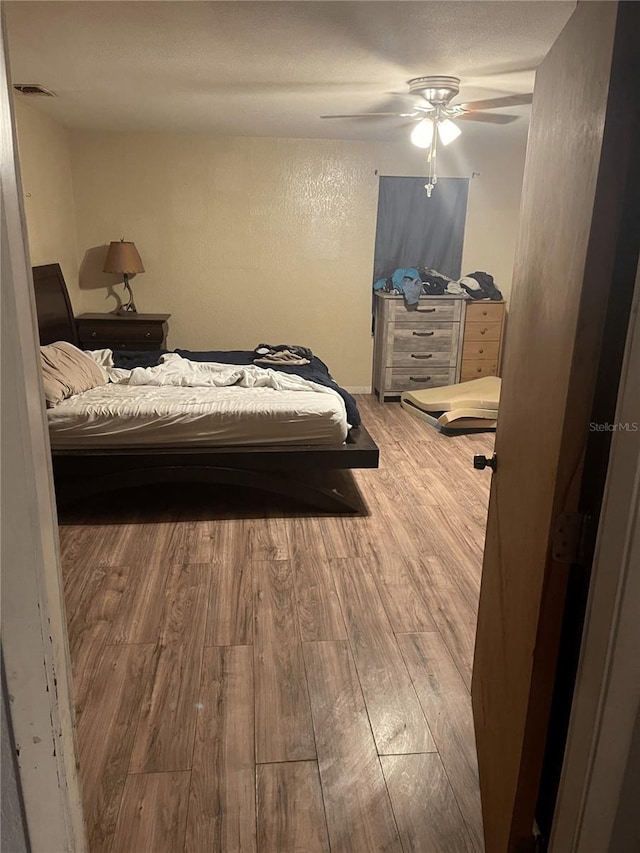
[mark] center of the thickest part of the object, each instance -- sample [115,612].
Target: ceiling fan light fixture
[434,111]
[422,133]
[448,131]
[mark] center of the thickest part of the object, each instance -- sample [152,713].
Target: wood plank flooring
[250,677]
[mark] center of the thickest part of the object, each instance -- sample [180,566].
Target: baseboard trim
[358,389]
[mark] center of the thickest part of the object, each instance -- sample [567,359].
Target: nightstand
[123,331]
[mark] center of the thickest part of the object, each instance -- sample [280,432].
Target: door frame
[35,647]
[607,692]
[513,712]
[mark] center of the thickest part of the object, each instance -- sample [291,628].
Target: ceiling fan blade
[368,115]
[488,118]
[495,103]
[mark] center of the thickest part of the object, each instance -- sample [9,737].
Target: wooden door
[35,649]
[573,282]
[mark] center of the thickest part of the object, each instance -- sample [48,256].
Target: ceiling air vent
[34,89]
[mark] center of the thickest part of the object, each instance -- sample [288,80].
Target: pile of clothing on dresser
[414,282]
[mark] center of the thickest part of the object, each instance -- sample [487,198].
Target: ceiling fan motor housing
[436,90]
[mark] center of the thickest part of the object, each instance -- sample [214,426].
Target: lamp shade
[122,257]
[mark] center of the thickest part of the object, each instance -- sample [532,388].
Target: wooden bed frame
[280,469]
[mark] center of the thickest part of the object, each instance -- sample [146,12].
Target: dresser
[444,340]
[130,331]
[483,333]
[416,348]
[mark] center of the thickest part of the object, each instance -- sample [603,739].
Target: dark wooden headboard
[55,314]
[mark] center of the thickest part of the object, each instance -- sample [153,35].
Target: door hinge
[568,537]
[534,843]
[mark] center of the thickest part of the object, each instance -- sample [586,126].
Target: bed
[281,449]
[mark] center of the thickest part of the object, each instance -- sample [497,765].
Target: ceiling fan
[434,115]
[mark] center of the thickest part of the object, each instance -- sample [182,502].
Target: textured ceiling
[271,68]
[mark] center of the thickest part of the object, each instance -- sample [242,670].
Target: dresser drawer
[124,332]
[424,360]
[489,331]
[121,345]
[485,311]
[428,311]
[397,380]
[476,369]
[480,350]
[411,347]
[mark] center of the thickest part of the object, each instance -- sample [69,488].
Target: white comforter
[180,372]
[185,402]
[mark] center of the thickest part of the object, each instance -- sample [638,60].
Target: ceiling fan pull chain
[433,152]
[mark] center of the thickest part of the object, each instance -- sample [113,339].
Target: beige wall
[247,240]
[493,210]
[244,240]
[49,206]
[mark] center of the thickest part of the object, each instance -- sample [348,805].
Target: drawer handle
[425,310]
[484,313]
[483,331]
[94,334]
[413,355]
[420,378]
[478,369]
[147,334]
[481,350]
[423,334]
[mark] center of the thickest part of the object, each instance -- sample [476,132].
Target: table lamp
[123,258]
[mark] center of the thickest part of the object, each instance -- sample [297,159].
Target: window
[414,230]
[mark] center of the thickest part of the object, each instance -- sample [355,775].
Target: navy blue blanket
[315,371]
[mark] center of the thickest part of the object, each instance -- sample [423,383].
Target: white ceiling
[271,68]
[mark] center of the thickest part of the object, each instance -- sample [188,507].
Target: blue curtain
[414,230]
